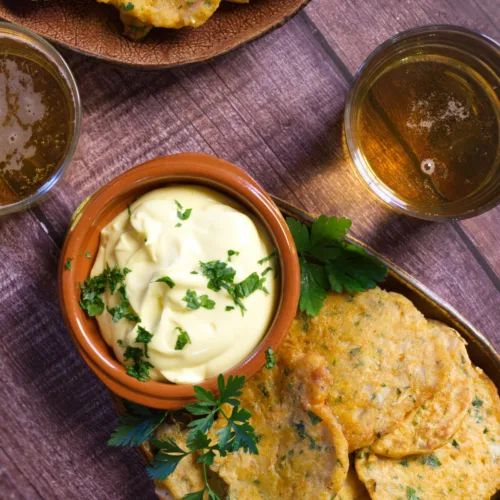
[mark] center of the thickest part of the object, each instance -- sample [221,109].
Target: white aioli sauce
[149,244]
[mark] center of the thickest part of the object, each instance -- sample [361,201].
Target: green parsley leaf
[404,463]
[219,274]
[315,420]
[430,460]
[167,459]
[121,311]
[166,279]
[249,285]
[476,402]
[270,358]
[411,494]
[229,308]
[195,302]
[335,265]
[178,224]
[266,270]
[183,215]
[354,270]
[136,426]
[88,255]
[144,337]
[182,339]
[230,253]
[272,255]
[67,264]
[126,8]
[197,495]
[313,284]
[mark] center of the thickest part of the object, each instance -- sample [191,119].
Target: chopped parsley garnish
[93,288]
[229,308]
[477,403]
[195,302]
[144,337]
[270,358]
[181,213]
[136,426]
[231,253]
[140,368]
[328,262]
[235,435]
[404,463]
[455,444]
[178,224]
[166,279]
[123,310]
[430,460]
[411,494]
[67,264]
[220,275]
[266,270]
[268,257]
[182,339]
[315,420]
[126,7]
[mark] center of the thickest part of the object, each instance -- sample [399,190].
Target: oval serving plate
[95,30]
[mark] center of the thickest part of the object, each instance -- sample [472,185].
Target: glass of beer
[39,118]
[422,122]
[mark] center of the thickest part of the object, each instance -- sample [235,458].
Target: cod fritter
[302,451]
[140,16]
[381,354]
[467,467]
[433,423]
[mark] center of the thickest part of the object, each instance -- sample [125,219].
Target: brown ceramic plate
[95,30]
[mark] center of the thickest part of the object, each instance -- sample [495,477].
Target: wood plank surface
[274,108]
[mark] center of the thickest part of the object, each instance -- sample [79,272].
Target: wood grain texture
[274,108]
[337,27]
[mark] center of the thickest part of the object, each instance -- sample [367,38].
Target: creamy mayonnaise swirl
[153,242]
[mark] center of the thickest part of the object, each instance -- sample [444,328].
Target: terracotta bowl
[103,206]
[95,29]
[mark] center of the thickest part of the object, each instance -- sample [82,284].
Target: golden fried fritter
[467,467]
[433,423]
[302,451]
[383,360]
[140,15]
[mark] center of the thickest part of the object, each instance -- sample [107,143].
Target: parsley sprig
[235,435]
[328,262]
[195,301]
[181,213]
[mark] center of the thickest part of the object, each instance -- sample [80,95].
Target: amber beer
[424,122]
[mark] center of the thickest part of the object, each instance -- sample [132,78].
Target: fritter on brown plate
[433,423]
[467,467]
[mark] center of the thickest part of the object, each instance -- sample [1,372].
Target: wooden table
[275,108]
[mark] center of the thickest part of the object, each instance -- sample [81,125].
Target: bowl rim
[362,172]
[182,168]
[51,53]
